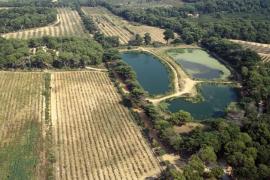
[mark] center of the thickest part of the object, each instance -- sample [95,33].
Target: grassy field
[112,25]
[21,123]
[94,133]
[68,24]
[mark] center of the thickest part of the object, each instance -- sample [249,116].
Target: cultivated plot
[112,25]
[68,24]
[262,49]
[94,134]
[21,124]
[21,100]
[107,25]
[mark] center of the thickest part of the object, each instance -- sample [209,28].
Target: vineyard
[112,25]
[21,117]
[262,49]
[95,135]
[68,24]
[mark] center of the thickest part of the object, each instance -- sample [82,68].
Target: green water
[151,73]
[216,99]
[199,64]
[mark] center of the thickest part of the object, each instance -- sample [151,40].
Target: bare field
[112,25]
[95,135]
[68,24]
[262,49]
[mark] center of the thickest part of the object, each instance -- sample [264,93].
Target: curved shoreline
[182,83]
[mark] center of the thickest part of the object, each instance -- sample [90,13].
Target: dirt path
[96,69]
[250,43]
[188,89]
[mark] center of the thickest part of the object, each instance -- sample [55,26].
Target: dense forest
[221,20]
[31,3]
[211,6]
[49,52]
[15,19]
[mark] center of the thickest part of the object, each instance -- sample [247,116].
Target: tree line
[212,6]
[15,19]
[88,21]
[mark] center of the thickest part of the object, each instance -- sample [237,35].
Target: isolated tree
[168,34]
[147,38]
[138,39]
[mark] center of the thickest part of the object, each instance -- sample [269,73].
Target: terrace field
[112,25]
[262,49]
[77,117]
[22,114]
[68,24]
[95,135]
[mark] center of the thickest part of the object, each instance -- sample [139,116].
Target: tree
[175,141]
[137,41]
[208,155]
[181,117]
[217,172]
[168,34]
[171,173]
[264,171]
[111,55]
[147,38]
[194,169]
[162,124]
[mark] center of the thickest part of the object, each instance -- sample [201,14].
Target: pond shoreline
[184,85]
[167,67]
